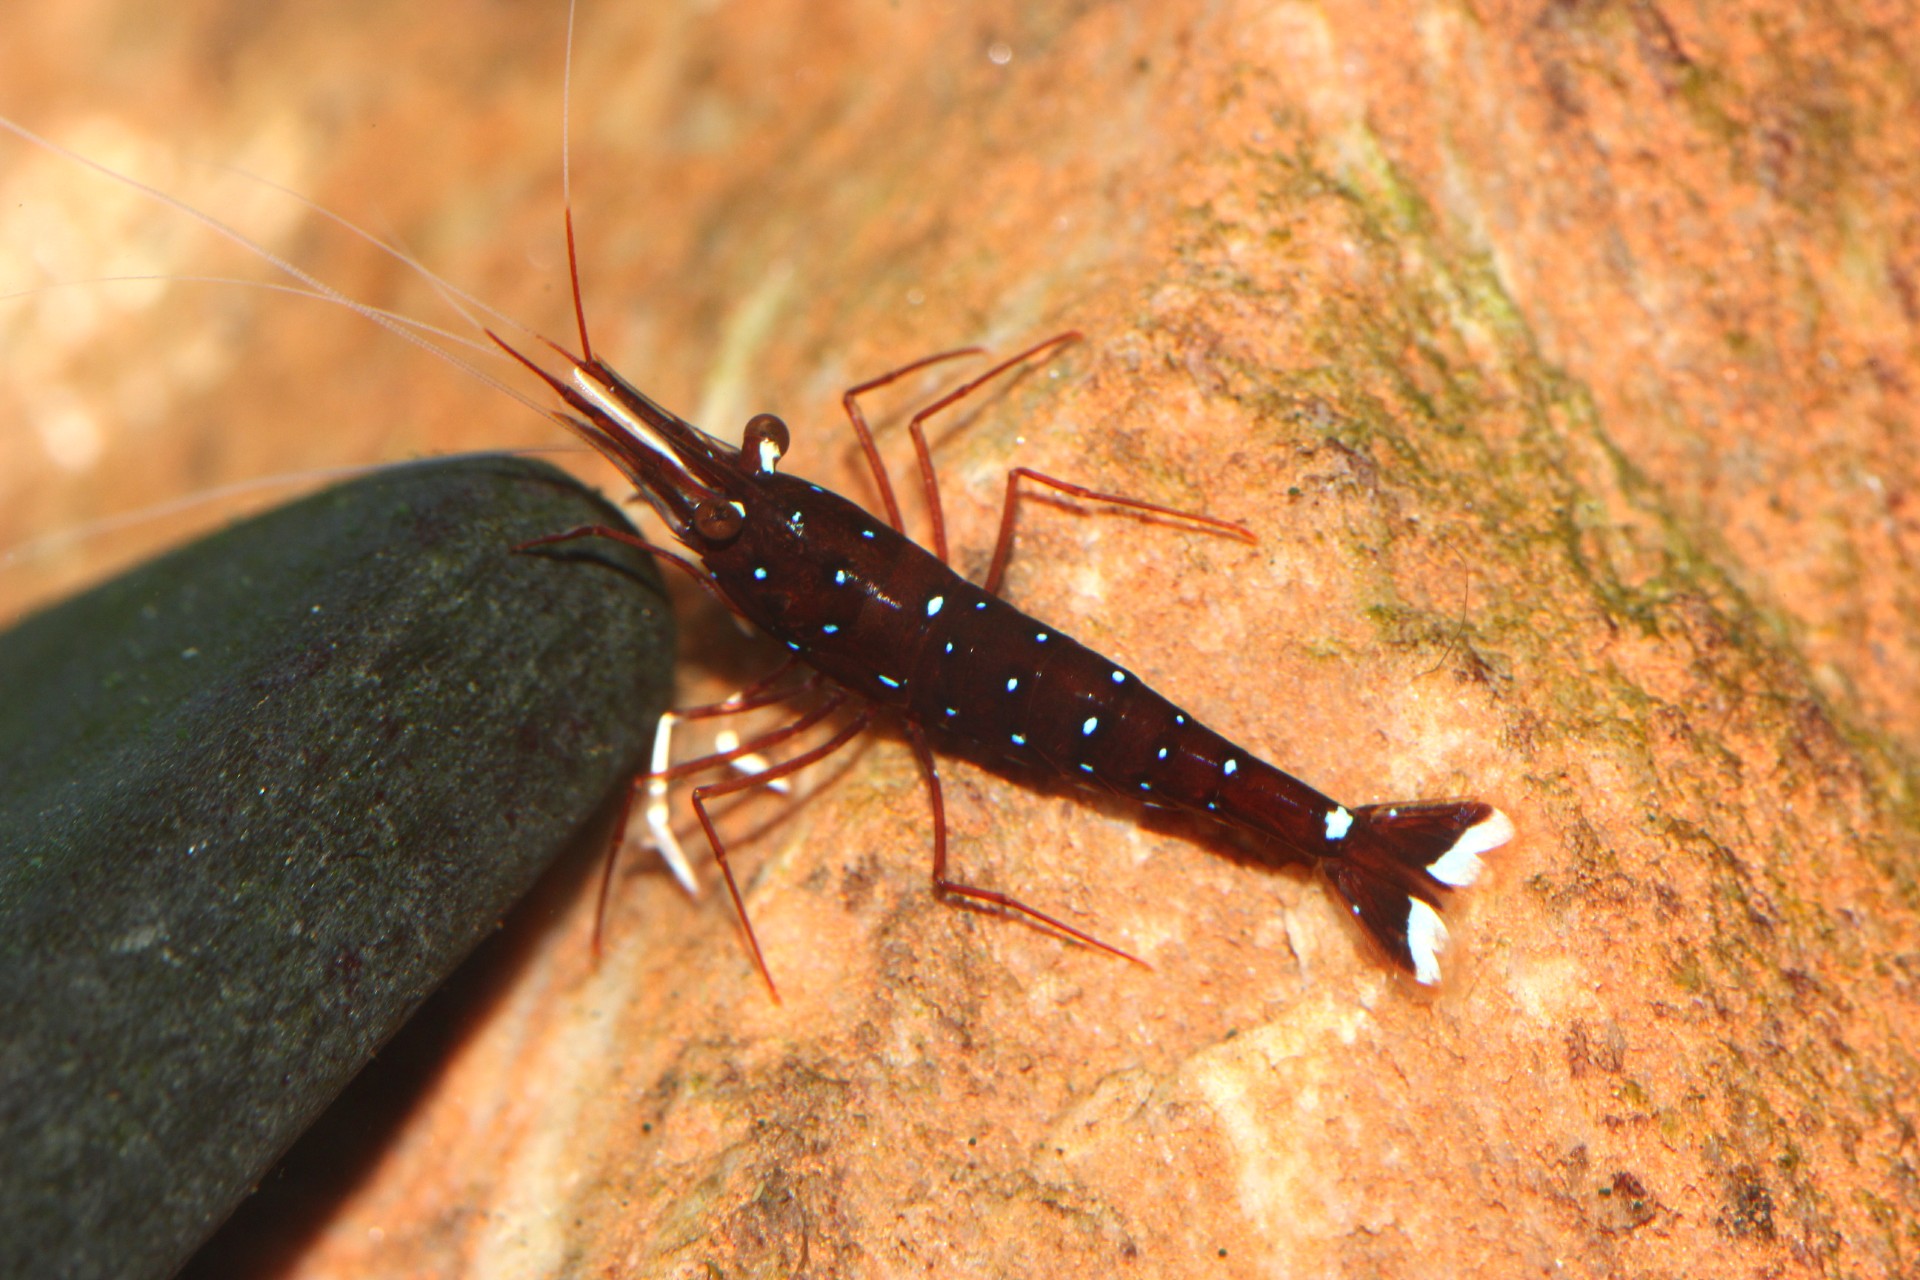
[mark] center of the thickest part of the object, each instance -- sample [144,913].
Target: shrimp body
[889,622]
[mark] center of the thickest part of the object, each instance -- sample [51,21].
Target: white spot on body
[1459,866]
[1019,739]
[1088,725]
[934,605]
[1163,753]
[839,577]
[888,681]
[1338,823]
[1231,767]
[1426,939]
[831,628]
[1119,677]
[1041,638]
[949,646]
[1013,682]
[759,575]
[770,457]
[979,604]
[866,533]
[1086,768]
[1178,718]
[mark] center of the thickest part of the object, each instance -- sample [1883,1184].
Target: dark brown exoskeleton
[892,628]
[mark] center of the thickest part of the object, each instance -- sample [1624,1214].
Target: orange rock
[1562,358]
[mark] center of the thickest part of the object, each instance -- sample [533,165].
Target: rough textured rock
[257,799]
[1562,356]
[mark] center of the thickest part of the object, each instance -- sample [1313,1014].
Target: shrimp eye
[766,438]
[718,521]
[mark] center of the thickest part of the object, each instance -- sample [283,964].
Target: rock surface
[257,799]
[1563,357]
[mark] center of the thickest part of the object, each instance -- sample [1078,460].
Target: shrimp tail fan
[1398,862]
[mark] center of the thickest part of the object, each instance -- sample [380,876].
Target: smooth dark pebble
[257,799]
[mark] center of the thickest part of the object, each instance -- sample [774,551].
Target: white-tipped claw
[660,837]
[1460,865]
[659,828]
[750,763]
[1426,939]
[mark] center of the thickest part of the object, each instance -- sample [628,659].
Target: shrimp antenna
[279,263]
[461,301]
[566,185]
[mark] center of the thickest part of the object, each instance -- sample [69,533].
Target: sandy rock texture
[1563,358]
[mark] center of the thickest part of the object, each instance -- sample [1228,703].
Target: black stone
[257,799]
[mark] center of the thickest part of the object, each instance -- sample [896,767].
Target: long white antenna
[268,256]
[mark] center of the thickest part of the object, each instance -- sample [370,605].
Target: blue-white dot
[1119,677]
[1163,753]
[1041,638]
[1178,718]
[1231,767]
[952,712]
[979,604]
[1019,739]
[1146,786]
[1013,682]
[1086,768]
[759,575]
[1212,805]
[832,628]
[866,533]
[797,517]
[791,645]
[839,577]
[889,681]
[1088,725]
[934,605]
[949,646]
